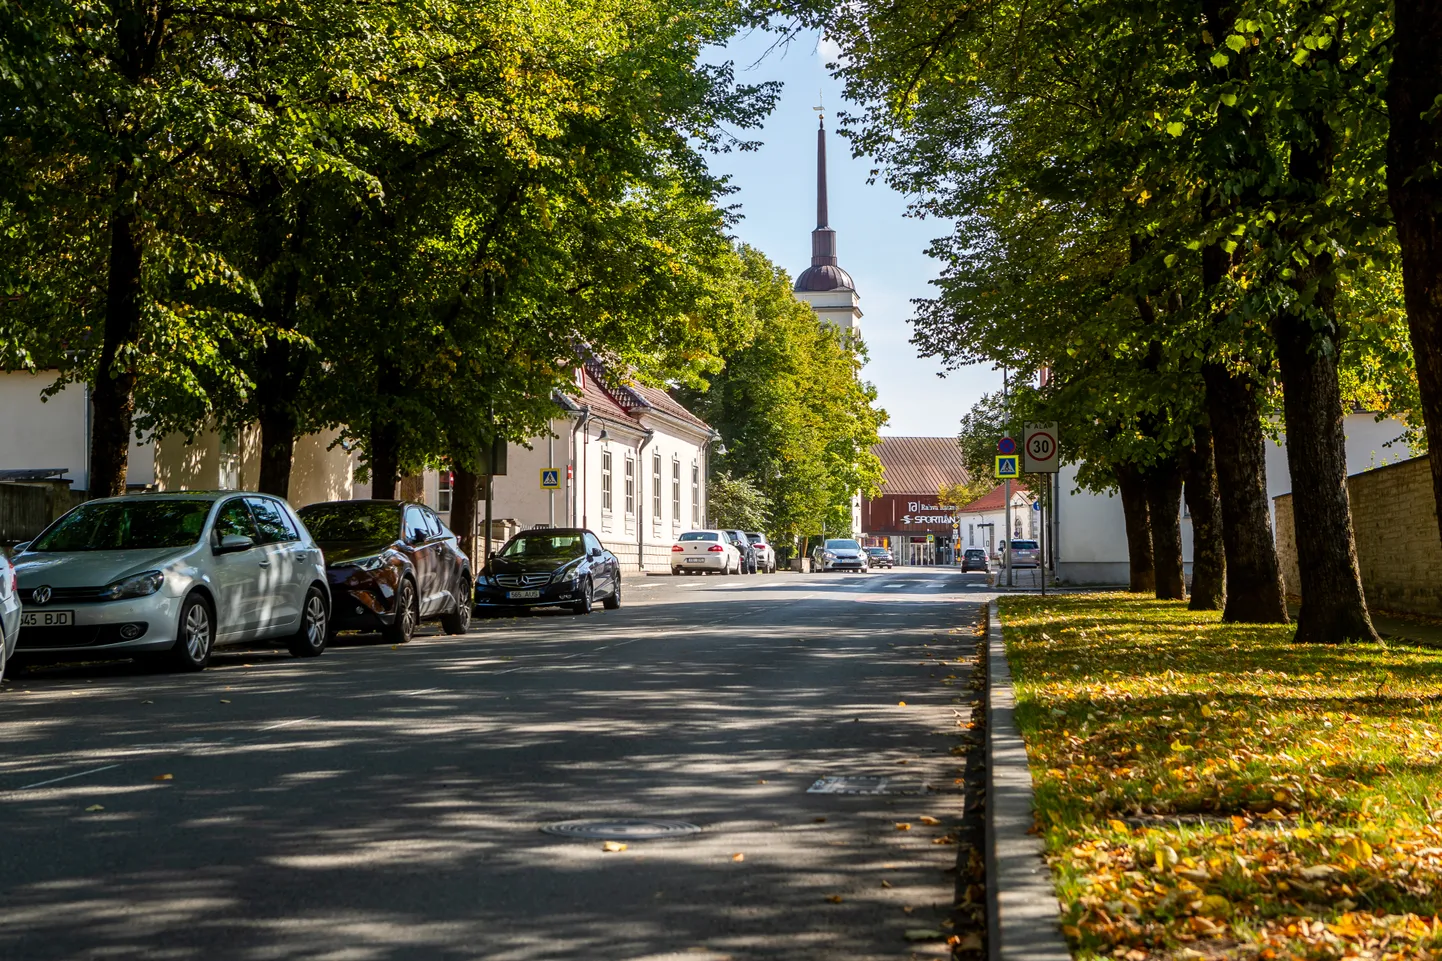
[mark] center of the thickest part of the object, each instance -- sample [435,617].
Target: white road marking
[57,780]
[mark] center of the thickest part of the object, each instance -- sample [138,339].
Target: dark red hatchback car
[391,565]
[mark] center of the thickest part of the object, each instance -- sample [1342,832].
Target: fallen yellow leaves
[903,826]
[738,856]
[834,898]
[163,777]
[1230,794]
[612,847]
[929,820]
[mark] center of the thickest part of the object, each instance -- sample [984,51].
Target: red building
[908,516]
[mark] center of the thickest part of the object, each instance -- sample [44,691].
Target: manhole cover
[620,829]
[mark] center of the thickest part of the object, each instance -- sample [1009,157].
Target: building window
[695,495]
[970,535]
[656,486]
[606,480]
[630,486]
[445,484]
[676,491]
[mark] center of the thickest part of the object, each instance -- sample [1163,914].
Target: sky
[882,248]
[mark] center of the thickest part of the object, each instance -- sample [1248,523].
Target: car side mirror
[596,552]
[232,543]
[20,547]
[418,536]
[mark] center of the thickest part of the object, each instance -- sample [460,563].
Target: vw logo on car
[41,595]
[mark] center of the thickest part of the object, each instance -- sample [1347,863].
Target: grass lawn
[1213,790]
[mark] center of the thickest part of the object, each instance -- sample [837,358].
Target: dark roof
[992,500]
[31,473]
[920,465]
[629,400]
[660,400]
[824,277]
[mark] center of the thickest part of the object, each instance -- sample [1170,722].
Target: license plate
[695,560]
[47,618]
[522,595]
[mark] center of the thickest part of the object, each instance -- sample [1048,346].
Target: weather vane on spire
[820,108]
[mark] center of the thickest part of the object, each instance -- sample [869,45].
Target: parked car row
[171,577]
[722,552]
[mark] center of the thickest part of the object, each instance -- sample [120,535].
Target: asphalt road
[384,803]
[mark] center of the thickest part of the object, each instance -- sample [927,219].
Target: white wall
[41,433]
[1091,537]
[518,496]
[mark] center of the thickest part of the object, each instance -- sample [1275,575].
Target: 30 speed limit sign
[1039,449]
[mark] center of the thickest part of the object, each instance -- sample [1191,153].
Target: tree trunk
[277,449]
[1254,579]
[465,492]
[1414,157]
[113,397]
[1139,531]
[384,458]
[1333,606]
[1164,510]
[1209,560]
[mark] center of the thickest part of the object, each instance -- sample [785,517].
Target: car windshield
[1024,545]
[699,536]
[842,544]
[756,538]
[559,546]
[876,550]
[356,521]
[126,525]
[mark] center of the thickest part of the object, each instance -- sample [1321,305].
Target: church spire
[823,238]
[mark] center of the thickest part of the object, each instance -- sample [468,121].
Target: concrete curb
[1023,914]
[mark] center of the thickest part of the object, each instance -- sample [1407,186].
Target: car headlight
[828,556]
[139,585]
[564,577]
[371,563]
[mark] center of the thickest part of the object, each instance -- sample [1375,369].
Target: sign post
[1040,446]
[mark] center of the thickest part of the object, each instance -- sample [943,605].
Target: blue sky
[883,250]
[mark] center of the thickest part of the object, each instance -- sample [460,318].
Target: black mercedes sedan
[391,565]
[551,567]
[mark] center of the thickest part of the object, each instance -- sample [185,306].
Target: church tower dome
[824,285]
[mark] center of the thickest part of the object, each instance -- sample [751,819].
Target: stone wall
[1394,518]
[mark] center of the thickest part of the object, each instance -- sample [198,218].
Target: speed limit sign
[1039,449]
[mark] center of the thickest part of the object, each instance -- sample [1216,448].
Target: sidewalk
[1395,628]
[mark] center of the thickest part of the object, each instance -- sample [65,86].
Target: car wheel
[458,621]
[408,614]
[310,638]
[614,601]
[583,606]
[196,640]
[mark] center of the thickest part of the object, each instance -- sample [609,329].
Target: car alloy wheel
[614,600]
[583,606]
[407,614]
[458,621]
[197,636]
[310,639]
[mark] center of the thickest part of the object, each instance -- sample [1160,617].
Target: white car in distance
[765,553]
[705,552]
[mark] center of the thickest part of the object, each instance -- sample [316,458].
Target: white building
[981,523]
[632,465]
[1091,540]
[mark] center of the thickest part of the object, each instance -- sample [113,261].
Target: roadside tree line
[1192,217]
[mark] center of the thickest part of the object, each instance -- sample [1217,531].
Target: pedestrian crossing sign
[550,479]
[1006,465]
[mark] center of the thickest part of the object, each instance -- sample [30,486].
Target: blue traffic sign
[1007,466]
[550,479]
[1007,445]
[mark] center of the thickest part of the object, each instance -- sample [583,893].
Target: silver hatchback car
[172,576]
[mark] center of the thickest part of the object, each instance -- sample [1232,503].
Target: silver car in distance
[171,576]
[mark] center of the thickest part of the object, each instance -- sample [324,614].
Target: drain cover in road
[851,785]
[620,829]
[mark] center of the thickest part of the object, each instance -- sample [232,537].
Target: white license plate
[695,560]
[522,595]
[47,618]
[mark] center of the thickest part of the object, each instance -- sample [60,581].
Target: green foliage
[1089,155]
[795,417]
[409,219]
[735,504]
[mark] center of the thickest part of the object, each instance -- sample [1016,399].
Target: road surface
[384,803]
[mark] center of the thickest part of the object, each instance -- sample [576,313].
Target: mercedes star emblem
[41,595]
